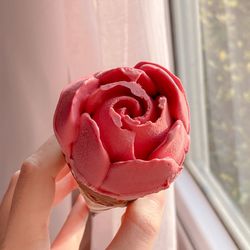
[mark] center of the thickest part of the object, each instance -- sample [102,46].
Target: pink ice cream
[125,131]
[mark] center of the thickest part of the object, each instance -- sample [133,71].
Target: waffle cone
[98,202]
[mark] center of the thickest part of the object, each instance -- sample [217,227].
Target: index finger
[34,194]
[49,158]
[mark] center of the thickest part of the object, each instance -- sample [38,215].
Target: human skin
[42,182]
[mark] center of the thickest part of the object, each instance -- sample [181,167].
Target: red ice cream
[125,131]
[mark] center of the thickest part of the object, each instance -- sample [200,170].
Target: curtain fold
[33,70]
[44,45]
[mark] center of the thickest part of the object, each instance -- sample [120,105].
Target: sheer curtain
[44,45]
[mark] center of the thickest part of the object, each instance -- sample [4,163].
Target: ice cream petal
[69,109]
[63,130]
[128,74]
[175,144]
[136,178]
[118,142]
[150,134]
[103,105]
[90,159]
[168,87]
[175,78]
[111,90]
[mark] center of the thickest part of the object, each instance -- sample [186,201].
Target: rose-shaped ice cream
[125,131]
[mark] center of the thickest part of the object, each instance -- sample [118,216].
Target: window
[226,47]
[212,51]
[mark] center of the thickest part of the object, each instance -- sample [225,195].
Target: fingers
[6,204]
[140,224]
[65,184]
[62,173]
[72,231]
[34,195]
[48,158]
[63,187]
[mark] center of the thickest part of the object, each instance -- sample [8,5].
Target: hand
[43,181]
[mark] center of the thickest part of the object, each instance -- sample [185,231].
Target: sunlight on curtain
[33,71]
[46,44]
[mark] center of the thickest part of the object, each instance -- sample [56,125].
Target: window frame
[200,222]
[186,32]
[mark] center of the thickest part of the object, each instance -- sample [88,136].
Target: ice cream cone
[124,133]
[98,202]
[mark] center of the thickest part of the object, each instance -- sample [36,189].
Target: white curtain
[44,45]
